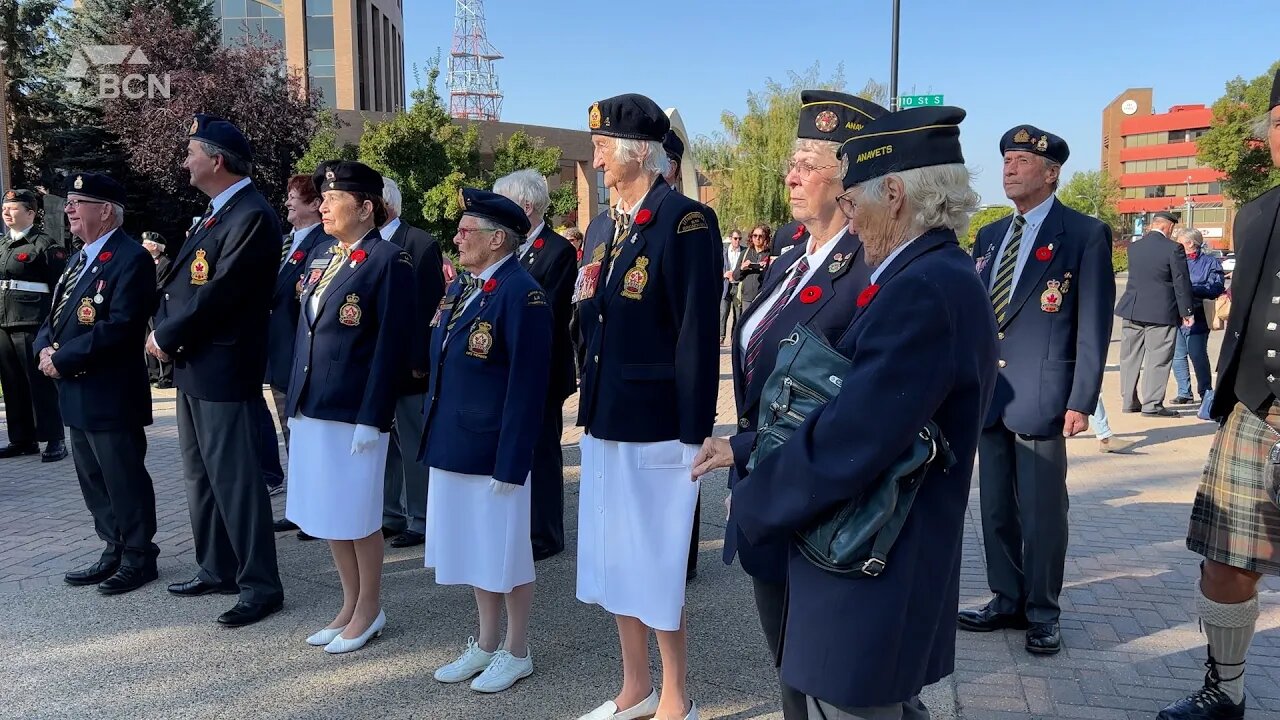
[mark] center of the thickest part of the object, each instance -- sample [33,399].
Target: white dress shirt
[483,277]
[760,308]
[386,231]
[221,198]
[528,240]
[90,252]
[1034,219]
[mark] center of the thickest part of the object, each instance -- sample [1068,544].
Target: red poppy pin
[490,285]
[103,257]
[297,257]
[810,294]
[1044,254]
[799,232]
[537,244]
[213,220]
[358,257]
[864,297]
[643,217]
[23,257]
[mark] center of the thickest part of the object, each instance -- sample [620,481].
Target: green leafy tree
[32,94]
[1233,145]
[981,219]
[520,151]
[324,144]
[1093,193]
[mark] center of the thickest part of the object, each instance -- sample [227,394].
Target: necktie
[340,253]
[284,249]
[757,338]
[1003,287]
[68,284]
[621,226]
[470,283]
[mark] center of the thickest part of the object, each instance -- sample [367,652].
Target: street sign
[911,101]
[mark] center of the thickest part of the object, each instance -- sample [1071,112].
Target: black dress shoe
[91,575]
[248,613]
[1161,411]
[390,532]
[284,525]
[1182,400]
[304,537]
[985,619]
[127,578]
[164,385]
[11,450]
[1208,703]
[1044,638]
[54,451]
[197,586]
[1131,409]
[541,552]
[408,538]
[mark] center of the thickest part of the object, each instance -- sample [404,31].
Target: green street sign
[911,101]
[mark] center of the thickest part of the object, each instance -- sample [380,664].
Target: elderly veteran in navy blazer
[814,284]
[349,354]
[1048,271]
[490,359]
[212,322]
[648,298]
[89,346]
[922,347]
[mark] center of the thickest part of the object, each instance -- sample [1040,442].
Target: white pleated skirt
[476,537]
[333,494]
[635,516]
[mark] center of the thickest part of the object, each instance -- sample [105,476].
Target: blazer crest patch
[692,221]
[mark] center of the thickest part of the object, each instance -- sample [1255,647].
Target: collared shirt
[313,302]
[817,260]
[482,278]
[299,236]
[19,234]
[735,259]
[1034,218]
[875,274]
[528,241]
[221,198]
[91,251]
[389,229]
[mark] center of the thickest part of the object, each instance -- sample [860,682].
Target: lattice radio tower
[473,85]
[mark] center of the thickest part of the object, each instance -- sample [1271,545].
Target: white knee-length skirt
[476,537]
[333,494]
[635,516]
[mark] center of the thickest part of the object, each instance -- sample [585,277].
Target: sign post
[912,101]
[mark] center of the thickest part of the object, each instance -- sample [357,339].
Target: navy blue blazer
[1053,343]
[104,383]
[1158,290]
[652,333]
[214,300]
[282,328]
[553,263]
[838,284]
[428,288]
[489,382]
[923,348]
[350,354]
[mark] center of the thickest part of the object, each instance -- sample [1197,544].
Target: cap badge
[79,183]
[1042,144]
[11,195]
[593,118]
[329,175]
[826,121]
[195,126]
[1022,137]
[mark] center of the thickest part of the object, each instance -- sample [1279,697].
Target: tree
[1093,193]
[1232,143]
[324,144]
[981,219]
[32,95]
[520,151]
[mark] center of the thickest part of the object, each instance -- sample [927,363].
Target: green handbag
[853,540]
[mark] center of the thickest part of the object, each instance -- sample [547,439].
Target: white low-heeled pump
[340,644]
[325,636]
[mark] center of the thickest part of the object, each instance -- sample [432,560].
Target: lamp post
[1190,220]
[893,60]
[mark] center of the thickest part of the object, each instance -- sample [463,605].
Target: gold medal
[86,314]
[199,269]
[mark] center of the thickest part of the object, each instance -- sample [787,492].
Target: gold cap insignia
[1022,137]
[593,117]
[195,126]
[11,195]
[1042,144]
[79,183]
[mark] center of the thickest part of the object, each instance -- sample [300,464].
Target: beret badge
[11,195]
[826,121]
[593,118]
[1023,137]
[79,183]
[1042,144]
[195,126]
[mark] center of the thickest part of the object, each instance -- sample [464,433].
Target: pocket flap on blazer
[655,371]
[479,421]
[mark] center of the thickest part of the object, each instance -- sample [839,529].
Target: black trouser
[268,443]
[771,605]
[30,396]
[157,369]
[405,480]
[230,510]
[1022,481]
[695,536]
[118,492]
[729,304]
[546,528]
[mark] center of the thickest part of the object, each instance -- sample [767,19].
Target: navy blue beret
[904,140]
[97,187]
[496,208]
[673,145]
[1029,138]
[222,134]
[630,116]
[26,197]
[349,176]
[834,116]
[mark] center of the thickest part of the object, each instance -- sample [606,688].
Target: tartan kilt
[1234,521]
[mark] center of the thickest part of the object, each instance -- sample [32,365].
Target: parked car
[1228,259]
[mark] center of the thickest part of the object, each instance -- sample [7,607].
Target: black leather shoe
[542,552]
[390,532]
[196,586]
[985,619]
[408,538]
[11,450]
[284,525]
[1182,400]
[54,451]
[1044,638]
[304,537]
[127,578]
[1161,411]
[1207,703]
[248,613]
[164,385]
[1131,409]
[91,575]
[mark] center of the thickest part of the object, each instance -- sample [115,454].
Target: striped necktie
[621,226]
[470,283]
[340,254]
[288,245]
[68,285]
[756,342]
[1003,287]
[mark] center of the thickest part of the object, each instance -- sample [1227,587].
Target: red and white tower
[473,85]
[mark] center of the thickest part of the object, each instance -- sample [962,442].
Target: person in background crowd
[159,372]
[674,147]
[731,299]
[574,236]
[750,272]
[1100,426]
[1192,343]
[30,263]
[350,353]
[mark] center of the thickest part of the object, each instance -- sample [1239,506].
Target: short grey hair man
[391,196]
[528,189]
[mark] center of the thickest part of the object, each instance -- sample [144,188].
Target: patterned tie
[470,283]
[284,249]
[621,226]
[68,284]
[340,253]
[757,338]
[1003,287]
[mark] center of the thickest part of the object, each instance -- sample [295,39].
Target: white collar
[875,274]
[390,228]
[223,197]
[820,255]
[92,249]
[1036,215]
[300,233]
[493,269]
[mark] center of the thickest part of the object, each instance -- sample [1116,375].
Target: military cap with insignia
[834,116]
[674,146]
[222,134]
[904,140]
[153,237]
[350,176]
[630,116]
[96,186]
[1029,138]
[1165,215]
[496,208]
[26,197]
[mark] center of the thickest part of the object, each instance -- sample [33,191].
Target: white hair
[512,239]
[649,153]
[391,195]
[813,145]
[1197,237]
[118,211]
[525,186]
[938,196]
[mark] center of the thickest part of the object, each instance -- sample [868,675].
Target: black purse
[853,540]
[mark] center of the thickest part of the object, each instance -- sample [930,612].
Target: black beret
[673,145]
[154,237]
[630,116]
[1165,215]
[1275,91]
[26,197]
[350,176]
[220,133]
[834,116]
[495,207]
[1029,138]
[904,140]
[96,186]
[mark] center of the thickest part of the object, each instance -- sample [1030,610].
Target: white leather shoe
[471,662]
[503,672]
[693,711]
[341,645]
[325,636]
[609,711]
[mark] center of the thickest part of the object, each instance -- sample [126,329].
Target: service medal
[86,314]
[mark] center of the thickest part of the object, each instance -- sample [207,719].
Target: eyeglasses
[757,235]
[736,237]
[73,204]
[464,232]
[847,204]
[804,168]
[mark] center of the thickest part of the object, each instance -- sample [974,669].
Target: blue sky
[1052,64]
